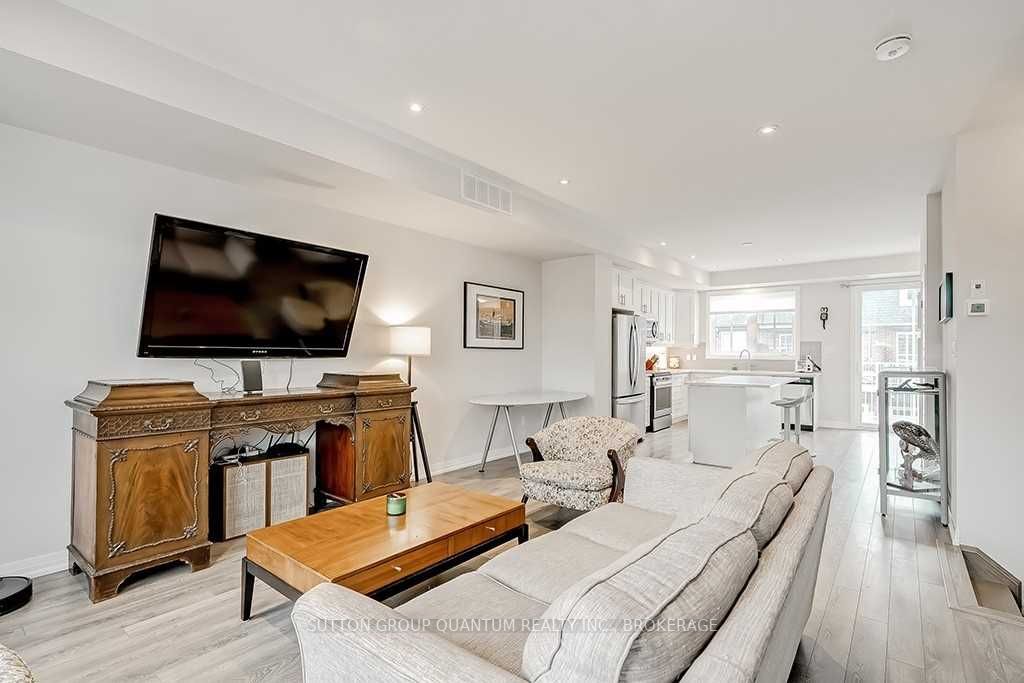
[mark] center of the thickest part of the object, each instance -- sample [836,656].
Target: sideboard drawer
[147,424]
[383,402]
[399,567]
[485,531]
[262,413]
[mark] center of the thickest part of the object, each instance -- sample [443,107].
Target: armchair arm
[346,636]
[534,449]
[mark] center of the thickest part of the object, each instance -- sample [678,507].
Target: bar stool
[788,404]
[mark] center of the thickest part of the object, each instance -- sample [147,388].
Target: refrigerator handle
[631,360]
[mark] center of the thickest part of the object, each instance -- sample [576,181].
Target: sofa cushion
[619,526]
[788,459]
[681,581]
[547,565]
[569,475]
[477,596]
[685,489]
[758,500]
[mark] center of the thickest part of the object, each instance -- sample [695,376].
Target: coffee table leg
[524,533]
[248,579]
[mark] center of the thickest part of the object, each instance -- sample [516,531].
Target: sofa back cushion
[680,585]
[757,500]
[788,459]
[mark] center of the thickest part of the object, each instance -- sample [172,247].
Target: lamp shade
[409,340]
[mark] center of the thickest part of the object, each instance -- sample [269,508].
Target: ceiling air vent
[483,193]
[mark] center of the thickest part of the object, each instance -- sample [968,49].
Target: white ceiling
[649,106]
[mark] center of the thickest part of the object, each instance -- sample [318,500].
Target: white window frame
[709,332]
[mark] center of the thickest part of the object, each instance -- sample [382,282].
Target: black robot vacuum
[15,592]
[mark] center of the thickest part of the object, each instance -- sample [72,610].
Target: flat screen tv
[215,292]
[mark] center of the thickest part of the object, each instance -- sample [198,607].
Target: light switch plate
[977,288]
[977,307]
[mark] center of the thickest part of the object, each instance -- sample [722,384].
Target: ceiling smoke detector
[892,48]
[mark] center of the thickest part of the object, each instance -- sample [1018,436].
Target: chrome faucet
[749,359]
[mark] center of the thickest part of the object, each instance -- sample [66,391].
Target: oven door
[661,400]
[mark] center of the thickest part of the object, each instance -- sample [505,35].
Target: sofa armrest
[672,487]
[346,636]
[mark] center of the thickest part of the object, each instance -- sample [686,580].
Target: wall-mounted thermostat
[977,307]
[977,288]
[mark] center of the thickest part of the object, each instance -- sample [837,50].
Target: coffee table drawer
[399,567]
[485,531]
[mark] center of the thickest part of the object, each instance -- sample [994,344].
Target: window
[763,322]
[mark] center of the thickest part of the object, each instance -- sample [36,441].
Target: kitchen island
[732,414]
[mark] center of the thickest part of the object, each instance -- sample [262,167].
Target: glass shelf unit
[930,387]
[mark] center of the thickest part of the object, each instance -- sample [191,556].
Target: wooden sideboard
[141,456]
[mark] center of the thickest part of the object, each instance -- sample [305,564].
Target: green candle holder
[396,503]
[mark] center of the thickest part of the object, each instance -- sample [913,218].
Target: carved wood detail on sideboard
[141,450]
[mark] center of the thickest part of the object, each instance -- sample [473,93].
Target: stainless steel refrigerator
[629,377]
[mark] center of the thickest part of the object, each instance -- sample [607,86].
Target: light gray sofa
[699,574]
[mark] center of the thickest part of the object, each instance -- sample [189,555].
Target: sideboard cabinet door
[153,496]
[383,452]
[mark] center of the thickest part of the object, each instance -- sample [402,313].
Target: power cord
[213,375]
[238,378]
[291,369]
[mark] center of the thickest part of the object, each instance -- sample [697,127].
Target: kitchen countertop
[743,381]
[756,373]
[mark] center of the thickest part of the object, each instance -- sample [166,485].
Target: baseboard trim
[827,424]
[40,565]
[473,461]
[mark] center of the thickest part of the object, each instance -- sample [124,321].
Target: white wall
[983,238]
[876,267]
[76,226]
[833,392]
[931,275]
[577,330]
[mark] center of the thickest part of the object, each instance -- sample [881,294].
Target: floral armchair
[579,462]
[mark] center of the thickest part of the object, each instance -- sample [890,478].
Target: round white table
[502,402]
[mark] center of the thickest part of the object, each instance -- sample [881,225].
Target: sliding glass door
[887,336]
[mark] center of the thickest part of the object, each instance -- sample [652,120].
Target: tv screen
[215,292]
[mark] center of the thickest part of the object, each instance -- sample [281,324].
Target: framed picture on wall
[492,317]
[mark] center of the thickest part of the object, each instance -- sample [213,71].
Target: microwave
[652,331]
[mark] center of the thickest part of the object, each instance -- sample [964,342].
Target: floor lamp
[409,341]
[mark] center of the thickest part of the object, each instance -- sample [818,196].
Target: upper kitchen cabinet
[685,317]
[623,284]
[656,303]
[667,316]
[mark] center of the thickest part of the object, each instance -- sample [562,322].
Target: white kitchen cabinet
[668,316]
[685,318]
[644,301]
[623,284]
[680,398]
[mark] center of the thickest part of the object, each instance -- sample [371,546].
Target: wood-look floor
[879,609]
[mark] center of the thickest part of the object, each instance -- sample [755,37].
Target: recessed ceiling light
[664,244]
[746,244]
[779,260]
[415,107]
[693,256]
[892,47]
[768,129]
[563,181]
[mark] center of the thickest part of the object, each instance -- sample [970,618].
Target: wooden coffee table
[359,546]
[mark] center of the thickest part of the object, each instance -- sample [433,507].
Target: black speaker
[252,376]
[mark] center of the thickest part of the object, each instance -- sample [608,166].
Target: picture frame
[493,317]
